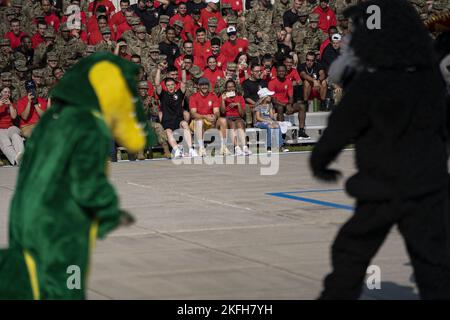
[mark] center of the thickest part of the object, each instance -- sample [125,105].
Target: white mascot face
[445,69]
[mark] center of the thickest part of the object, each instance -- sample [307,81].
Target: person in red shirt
[15,34]
[216,53]
[118,18]
[92,8]
[210,11]
[38,37]
[95,36]
[188,50]
[30,109]
[202,48]
[130,19]
[191,27]
[205,112]
[233,109]
[11,143]
[236,5]
[183,17]
[49,16]
[244,70]
[327,17]
[212,73]
[231,48]
[283,100]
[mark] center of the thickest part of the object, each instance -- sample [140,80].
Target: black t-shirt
[289,18]
[171,50]
[170,10]
[328,56]
[251,88]
[314,70]
[171,108]
[191,6]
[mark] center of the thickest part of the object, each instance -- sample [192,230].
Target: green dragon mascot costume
[63,200]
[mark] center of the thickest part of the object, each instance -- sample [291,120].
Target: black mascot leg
[355,245]
[425,228]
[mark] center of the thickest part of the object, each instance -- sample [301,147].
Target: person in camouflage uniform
[9,14]
[7,81]
[150,61]
[106,44]
[90,49]
[130,35]
[310,5]
[313,38]
[6,55]
[47,72]
[41,89]
[280,7]
[159,32]
[343,25]
[69,48]
[231,22]
[40,52]
[141,43]
[299,31]
[178,26]
[191,85]
[341,5]
[151,110]
[19,75]
[230,73]
[25,21]
[259,25]
[164,66]
[211,31]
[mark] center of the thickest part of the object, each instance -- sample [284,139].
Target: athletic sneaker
[302,134]
[202,152]
[238,151]
[177,153]
[224,151]
[247,151]
[193,152]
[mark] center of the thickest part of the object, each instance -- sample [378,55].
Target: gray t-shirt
[264,110]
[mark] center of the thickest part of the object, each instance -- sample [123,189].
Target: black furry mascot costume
[393,110]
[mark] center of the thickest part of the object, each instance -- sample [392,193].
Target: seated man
[171,111]
[251,86]
[283,100]
[205,112]
[314,77]
[30,109]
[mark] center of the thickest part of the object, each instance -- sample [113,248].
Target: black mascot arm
[346,122]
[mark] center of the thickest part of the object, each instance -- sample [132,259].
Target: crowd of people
[224,64]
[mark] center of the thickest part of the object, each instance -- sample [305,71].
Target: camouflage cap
[142,85]
[134,21]
[226,5]
[162,57]
[49,34]
[5,42]
[21,65]
[303,13]
[232,20]
[63,27]
[153,48]
[37,73]
[6,76]
[17,3]
[212,22]
[105,30]
[52,56]
[231,66]
[139,28]
[10,11]
[164,19]
[196,72]
[90,49]
[314,17]
[178,23]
